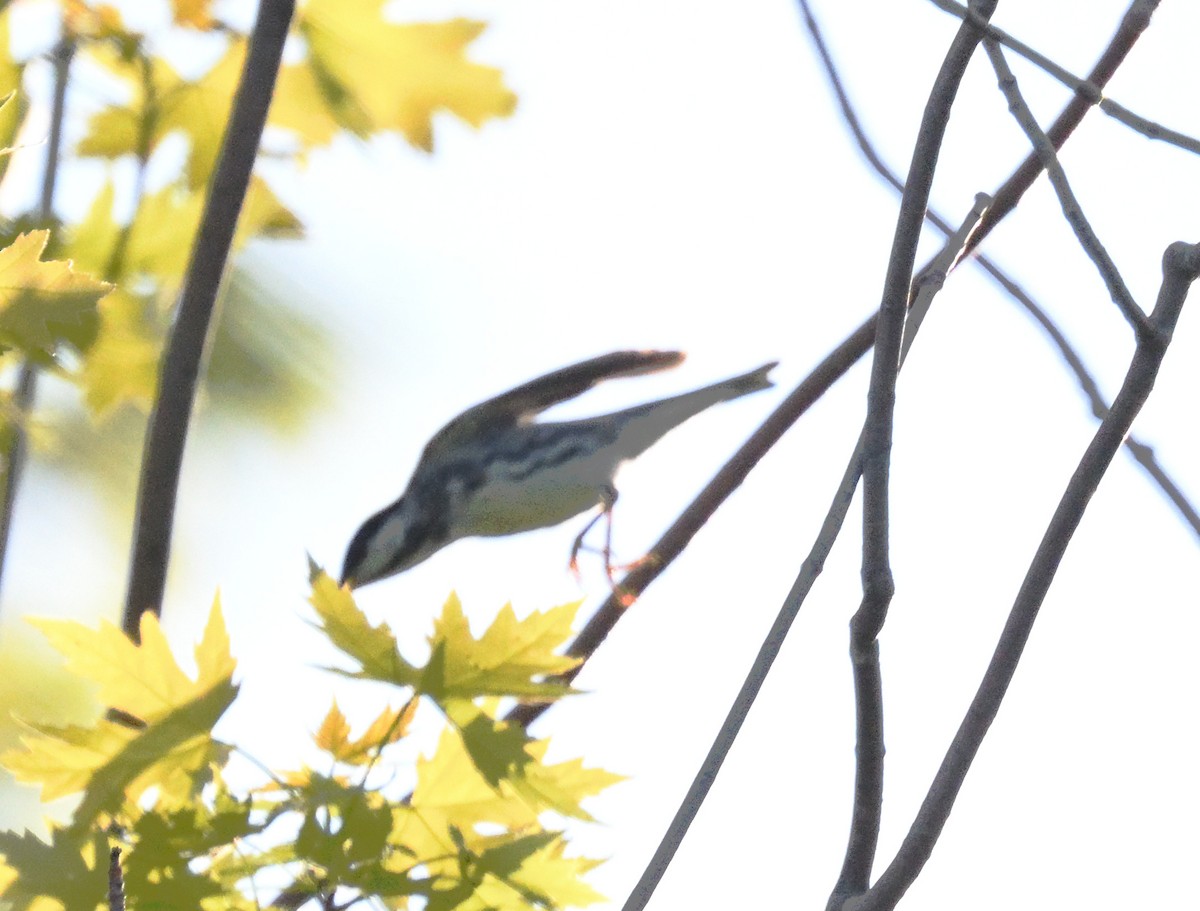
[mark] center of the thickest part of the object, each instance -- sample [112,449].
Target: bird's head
[394,539]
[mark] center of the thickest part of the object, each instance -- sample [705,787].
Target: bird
[494,470]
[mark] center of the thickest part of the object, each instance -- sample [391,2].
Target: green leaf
[164,103]
[372,647]
[506,660]
[334,734]
[14,108]
[497,748]
[57,870]
[172,754]
[365,74]
[122,365]
[43,304]
[143,680]
[112,762]
[451,791]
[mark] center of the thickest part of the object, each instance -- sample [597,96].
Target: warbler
[494,471]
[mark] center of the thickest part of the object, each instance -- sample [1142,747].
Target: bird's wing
[521,404]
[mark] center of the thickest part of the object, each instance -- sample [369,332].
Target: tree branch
[1142,453]
[692,519]
[1181,267]
[1135,21]
[878,585]
[26,387]
[1071,208]
[632,586]
[1090,92]
[166,433]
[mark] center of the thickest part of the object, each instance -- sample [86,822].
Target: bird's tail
[644,425]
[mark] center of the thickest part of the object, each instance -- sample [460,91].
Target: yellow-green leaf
[122,364]
[70,872]
[142,680]
[193,13]
[563,786]
[14,108]
[44,303]
[90,242]
[509,659]
[334,734]
[374,74]
[451,792]
[373,647]
[63,759]
[497,748]
[196,108]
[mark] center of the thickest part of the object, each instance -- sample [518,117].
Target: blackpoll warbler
[494,471]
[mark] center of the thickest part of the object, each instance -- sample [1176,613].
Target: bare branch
[1071,208]
[1142,453]
[933,276]
[1135,21]
[878,585]
[116,881]
[1004,200]
[166,433]
[1181,267]
[26,388]
[692,519]
[1090,92]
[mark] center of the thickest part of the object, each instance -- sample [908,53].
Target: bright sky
[676,175]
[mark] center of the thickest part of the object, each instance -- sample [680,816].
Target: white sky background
[676,175]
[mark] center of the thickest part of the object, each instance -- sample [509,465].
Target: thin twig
[1181,267]
[1004,200]
[166,433]
[933,276]
[835,365]
[26,388]
[767,653]
[1090,92]
[1135,21]
[116,881]
[1141,452]
[1071,208]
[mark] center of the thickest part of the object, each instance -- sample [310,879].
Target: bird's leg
[609,499]
[608,496]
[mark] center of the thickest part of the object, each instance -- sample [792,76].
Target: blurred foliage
[146,114]
[269,367]
[89,297]
[469,835]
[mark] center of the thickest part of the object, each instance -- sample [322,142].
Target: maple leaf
[193,13]
[505,660]
[90,242]
[142,680]
[371,74]
[525,872]
[59,870]
[334,734]
[451,791]
[112,762]
[497,748]
[561,787]
[552,879]
[43,304]
[122,364]
[372,647]
[163,102]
